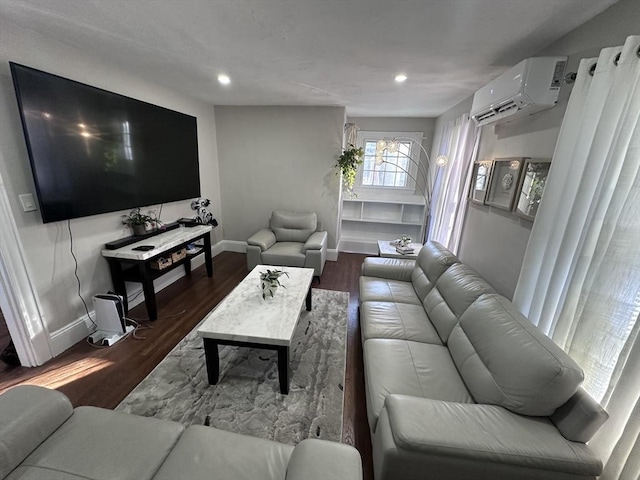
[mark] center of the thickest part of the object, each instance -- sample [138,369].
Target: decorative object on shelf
[480,181]
[534,178]
[403,241]
[203,215]
[505,175]
[139,222]
[270,281]
[404,249]
[423,182]
[347,164]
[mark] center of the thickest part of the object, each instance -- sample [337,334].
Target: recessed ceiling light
[401,77]
[224,79]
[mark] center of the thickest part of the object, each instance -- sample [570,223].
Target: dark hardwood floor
[102,377]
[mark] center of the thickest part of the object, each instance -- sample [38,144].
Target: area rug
[247,398]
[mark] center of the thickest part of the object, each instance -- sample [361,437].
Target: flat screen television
[94,151]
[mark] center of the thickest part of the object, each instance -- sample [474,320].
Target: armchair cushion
[264,239]
[317,241]
[284,253]
[292,226]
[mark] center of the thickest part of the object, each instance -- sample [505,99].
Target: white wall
[278,158]
[493,241]
[47,246]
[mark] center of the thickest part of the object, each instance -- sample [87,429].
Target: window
[396,169]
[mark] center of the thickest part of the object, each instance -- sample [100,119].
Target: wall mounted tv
[93,151]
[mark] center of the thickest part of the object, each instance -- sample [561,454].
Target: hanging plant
[347,164]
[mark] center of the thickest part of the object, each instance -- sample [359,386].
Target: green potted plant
[270,281]
[138,221]
[347,164]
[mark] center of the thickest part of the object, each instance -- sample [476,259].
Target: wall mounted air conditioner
[530,86]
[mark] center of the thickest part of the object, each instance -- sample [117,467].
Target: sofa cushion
[504,360]
[208,453]
[285,253]
[433,260]
[314,459]
[456,289]
[292,226]
[373,289]
[409,368]
[402,321]
[100,444]
[28,415]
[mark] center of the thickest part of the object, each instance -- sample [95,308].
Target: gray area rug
[247,398]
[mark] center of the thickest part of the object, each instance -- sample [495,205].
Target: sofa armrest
[389,268]
[314,459]
[28,416]
[264,239]
[317,241]
[485,433]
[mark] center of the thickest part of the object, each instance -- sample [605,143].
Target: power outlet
[28,202]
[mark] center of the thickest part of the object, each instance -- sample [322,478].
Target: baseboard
[76,331]
[356,246]
[332,254]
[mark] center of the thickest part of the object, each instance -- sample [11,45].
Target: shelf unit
[364,221]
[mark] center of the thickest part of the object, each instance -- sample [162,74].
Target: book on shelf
[404,250]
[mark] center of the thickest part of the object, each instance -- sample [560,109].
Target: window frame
[415,153]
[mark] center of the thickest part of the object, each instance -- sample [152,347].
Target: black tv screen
[93,151]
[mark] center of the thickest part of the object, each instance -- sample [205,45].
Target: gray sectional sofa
[43,437]
[460,385]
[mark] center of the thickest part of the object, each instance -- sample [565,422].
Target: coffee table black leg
[309,300]
[212,359]
[283,369]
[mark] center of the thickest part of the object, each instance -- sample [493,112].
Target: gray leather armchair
[292,240]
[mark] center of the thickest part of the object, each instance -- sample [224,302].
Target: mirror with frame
[480,181]
[532,183]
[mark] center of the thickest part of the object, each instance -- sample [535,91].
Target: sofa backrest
[292,226]
[433,260]
[455,290]
[505,360]
[28,416]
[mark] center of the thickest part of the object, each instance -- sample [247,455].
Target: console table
[129,265]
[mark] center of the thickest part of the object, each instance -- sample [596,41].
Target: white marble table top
[162,242]
[245,317]
[387,250]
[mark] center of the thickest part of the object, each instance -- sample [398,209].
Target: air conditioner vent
[483,116]
[506,106]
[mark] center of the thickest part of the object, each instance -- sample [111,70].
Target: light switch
[28,203]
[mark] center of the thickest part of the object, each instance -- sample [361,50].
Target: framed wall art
[531,188]
[480,181]
[504,181]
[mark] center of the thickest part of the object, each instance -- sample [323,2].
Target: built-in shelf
[364,221]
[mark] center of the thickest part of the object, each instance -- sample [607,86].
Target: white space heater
[110,319]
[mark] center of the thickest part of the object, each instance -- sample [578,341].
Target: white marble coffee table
[244,319]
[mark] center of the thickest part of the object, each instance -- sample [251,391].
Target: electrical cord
[75,272]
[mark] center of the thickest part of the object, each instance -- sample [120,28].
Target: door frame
[18,297]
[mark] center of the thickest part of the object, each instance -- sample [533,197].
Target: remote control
[144,248]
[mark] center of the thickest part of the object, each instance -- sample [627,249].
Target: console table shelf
[129,265]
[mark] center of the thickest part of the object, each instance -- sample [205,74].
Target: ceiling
[311,52]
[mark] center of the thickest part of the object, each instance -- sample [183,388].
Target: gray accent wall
[278,158]
[494,241]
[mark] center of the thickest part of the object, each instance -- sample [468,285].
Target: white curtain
[460,143]
[580,279]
